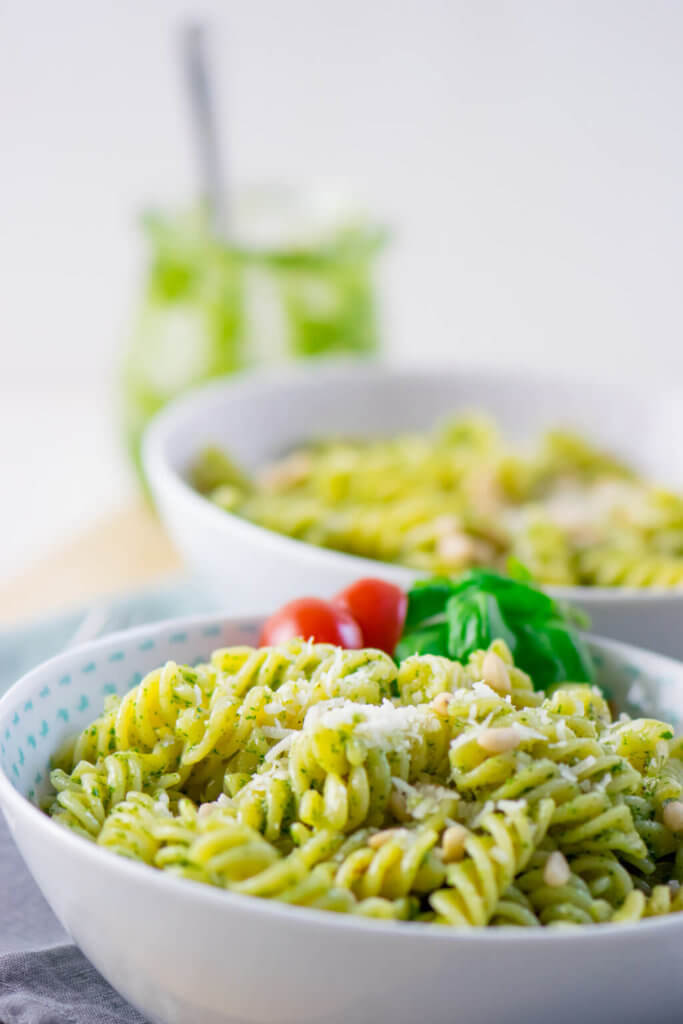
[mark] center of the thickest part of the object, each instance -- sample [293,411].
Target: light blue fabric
[22,648]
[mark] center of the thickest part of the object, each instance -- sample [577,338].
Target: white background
[529,155]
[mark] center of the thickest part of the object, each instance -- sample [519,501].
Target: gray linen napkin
[44,978]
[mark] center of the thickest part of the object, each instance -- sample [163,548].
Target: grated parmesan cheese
[525,732]
[511,806]
[161,806]
[380,725]
[482,689]
[585,765]
[280,748]
[276,732]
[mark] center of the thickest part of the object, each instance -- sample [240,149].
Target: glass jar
[296,280]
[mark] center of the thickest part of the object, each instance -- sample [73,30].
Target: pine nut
[495,673]
[672,816]
[455,548]
[447,525]
[380,838]
[288,472]
[441,702]
[498,741]
[556,871]
[398,805]
[453,843]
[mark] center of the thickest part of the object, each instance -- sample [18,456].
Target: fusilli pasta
[428,791]
[461,497]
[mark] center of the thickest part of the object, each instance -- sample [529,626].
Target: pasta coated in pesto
[339,780]
[462,497]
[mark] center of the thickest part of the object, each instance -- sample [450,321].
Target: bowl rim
[18,805]
[164,478]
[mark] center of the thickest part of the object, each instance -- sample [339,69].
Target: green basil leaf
[474,624]
[432,640]
[467,624]
[427,599]
[457,617]
[525,602]
[554,654]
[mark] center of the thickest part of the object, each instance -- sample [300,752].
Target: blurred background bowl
[259,416]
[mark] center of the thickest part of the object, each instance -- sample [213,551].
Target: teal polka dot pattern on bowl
[56,700]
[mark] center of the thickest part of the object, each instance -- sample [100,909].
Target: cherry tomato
[379,608]
[312,619]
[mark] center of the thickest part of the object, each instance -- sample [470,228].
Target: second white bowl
[259,415]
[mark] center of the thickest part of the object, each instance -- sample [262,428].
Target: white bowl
[259,415]
[186,953]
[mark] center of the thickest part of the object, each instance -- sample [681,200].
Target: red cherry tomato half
[379,608]
[312,619]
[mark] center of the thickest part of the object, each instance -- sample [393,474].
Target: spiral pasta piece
[389,864]
[147,714]
[609,566]
[497,850]
[86,795]
[569,902]
[342,762]
[514,909]
[129,829]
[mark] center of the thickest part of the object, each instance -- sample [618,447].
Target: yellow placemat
[126,549]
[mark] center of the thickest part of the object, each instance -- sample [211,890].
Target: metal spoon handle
[201,95]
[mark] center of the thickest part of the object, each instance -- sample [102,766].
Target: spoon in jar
[202,102]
